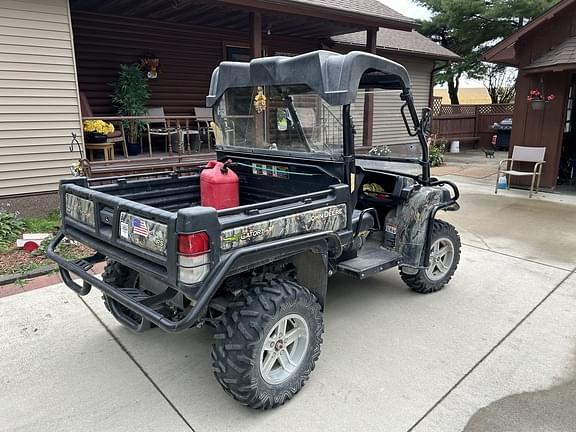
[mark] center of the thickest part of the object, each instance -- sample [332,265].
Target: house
[51,50]
[545,53]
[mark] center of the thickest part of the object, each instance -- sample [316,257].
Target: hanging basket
[538,104]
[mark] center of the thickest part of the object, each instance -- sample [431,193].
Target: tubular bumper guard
[324,241]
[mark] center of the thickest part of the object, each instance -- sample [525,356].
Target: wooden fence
[470,124]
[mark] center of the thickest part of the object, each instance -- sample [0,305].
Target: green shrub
[436,152]
[11,226]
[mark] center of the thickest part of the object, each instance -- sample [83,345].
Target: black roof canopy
[335,77]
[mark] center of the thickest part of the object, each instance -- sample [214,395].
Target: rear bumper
[247,256]
[81,269]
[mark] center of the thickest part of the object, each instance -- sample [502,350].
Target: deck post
[369,95]
[256,52]
[255,34]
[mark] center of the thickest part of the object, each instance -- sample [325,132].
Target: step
[371,259]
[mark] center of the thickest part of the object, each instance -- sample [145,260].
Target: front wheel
[444,258]
[267,343]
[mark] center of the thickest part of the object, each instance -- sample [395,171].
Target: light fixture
[268,29]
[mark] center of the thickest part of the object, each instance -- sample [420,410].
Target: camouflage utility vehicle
[308,207]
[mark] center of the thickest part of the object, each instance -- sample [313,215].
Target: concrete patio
[495,350]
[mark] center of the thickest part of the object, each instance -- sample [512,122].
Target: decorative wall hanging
[150,64]
[260,101]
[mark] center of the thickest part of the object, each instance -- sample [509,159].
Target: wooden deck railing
[183,157]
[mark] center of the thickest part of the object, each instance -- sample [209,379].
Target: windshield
[390,139]
[289,119]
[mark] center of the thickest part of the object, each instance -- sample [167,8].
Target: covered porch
[188,39]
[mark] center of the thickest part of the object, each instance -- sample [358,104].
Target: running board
[370,260]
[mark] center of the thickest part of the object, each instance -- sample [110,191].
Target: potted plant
[130,96]
[537,99]
[97,131]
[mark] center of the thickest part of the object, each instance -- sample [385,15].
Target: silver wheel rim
[441,259]
[284,349]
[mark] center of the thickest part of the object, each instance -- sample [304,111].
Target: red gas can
[219,186]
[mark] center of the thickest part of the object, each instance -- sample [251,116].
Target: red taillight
[193,244]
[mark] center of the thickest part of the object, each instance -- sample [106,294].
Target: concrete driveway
[494,351]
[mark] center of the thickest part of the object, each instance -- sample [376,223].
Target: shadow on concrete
[550,410]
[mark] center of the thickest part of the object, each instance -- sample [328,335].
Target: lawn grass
[13,226]
[46,224]
[13,260]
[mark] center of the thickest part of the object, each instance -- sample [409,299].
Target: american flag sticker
[139,227]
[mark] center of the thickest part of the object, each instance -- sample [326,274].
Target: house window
[238,54]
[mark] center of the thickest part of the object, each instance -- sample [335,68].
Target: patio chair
[187,131]
[533,155]
[204,120]
[159,127]
[117,136]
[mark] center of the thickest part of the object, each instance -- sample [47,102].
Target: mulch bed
[29,271]
[20,261]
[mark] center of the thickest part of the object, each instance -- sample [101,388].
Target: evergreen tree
[470,27]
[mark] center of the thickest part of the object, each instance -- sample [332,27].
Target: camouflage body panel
[80,209]
[406,225]
[157,233]
[332,218]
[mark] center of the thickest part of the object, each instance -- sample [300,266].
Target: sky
[413,10]
[408,8]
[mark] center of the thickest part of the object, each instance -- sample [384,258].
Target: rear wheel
[268,343]
[444,259]
[120,276]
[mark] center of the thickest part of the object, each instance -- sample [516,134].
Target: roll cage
[336,78]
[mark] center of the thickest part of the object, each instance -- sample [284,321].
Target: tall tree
[500,82]
[469,27]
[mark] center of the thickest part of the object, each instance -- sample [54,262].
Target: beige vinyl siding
[39,106]
[388,125]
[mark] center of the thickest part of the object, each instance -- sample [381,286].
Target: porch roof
[397,41]
[561,58]
[293,18]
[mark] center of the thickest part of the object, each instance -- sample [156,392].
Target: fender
[407,225]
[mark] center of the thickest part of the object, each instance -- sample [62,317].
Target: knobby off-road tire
[119,275]
[444,259]
[250,350]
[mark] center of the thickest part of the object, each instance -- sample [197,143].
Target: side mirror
[426,121]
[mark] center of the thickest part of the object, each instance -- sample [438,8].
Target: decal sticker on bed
[333,218]
[271,170]
[143,232]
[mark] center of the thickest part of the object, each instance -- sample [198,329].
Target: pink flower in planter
[537,95]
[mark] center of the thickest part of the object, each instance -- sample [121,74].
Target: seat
[157,126]
[533,155]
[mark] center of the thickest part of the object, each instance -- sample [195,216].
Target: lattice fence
[437,105]
[469,123]
[496,109]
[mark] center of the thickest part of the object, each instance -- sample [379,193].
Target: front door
[567,171]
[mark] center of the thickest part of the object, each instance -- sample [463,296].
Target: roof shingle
[402,41]
[365,7]
[563,54]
